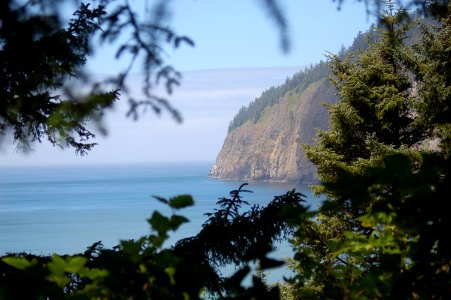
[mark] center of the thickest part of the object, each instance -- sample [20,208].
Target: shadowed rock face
[270,149]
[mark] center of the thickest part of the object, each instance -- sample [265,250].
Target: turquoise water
[63,210]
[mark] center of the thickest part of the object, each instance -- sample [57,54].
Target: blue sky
[236,57]
[239,33]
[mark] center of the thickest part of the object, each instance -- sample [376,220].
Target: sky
[237,55]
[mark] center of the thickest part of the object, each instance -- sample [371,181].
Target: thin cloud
[208,100]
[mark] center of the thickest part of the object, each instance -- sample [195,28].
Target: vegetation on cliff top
[302,79]
[296,84]
[271,96]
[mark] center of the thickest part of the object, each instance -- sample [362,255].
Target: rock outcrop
[270,149]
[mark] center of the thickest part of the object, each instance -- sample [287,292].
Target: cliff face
[270,149]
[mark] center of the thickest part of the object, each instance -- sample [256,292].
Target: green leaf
[161,199]
[159,223]
[20,263]
[157,241]
[176,221]
[57,265]
[171,273]
[57,268]
[181,201]
[75,264]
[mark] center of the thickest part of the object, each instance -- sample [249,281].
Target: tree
[145,269]
[36,57]
[41,55]
[381,232]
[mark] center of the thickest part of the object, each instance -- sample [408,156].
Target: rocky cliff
[269,149]
[265,139]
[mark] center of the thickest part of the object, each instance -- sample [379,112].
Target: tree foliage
[295,84]
[37,56]
[42,58]
[146,269]
[299,82]
[381,234]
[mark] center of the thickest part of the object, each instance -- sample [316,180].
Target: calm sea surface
[64,210]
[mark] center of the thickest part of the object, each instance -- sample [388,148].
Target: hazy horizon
[232,63]
[207,100]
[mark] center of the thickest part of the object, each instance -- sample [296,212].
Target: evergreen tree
[42,55]
[37,57]
[381,233]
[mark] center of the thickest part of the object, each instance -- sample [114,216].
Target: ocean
[45,210]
